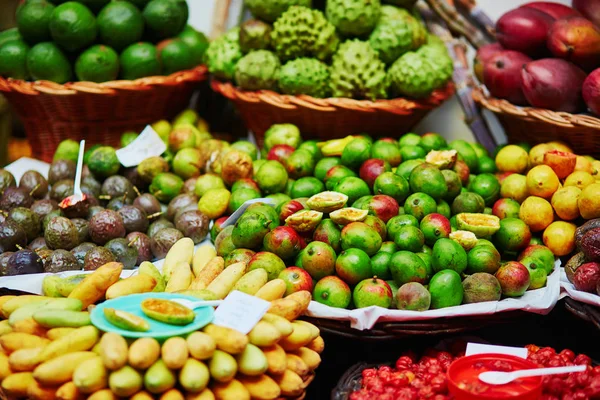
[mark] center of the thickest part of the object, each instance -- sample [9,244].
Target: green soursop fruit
[401,3]
[305,76]
[412,75]
[255,35]
[270,10]
[258,70]
[391,39]
[419,33]
[302,32]
[440,61]
[435,41]
[357,72]
[353,17]
[223,54]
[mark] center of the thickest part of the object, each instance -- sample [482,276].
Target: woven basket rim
[557,118]
[198,73]
[285,101]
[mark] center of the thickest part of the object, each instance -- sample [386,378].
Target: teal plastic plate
[131,304]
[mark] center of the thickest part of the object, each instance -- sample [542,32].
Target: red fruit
[561,162]
[372,168]
[501,75]
[280,152]
[576,39]
[586,277]
[514,279]
[553,84]
[284,242]
[591,91]
[249,183]
[555,10]
[296,279]
[525,30]
[462,170]
[384,207]
[288,208]
[484,53]
[589,8]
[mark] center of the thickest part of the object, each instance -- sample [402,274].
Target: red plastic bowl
[464,384]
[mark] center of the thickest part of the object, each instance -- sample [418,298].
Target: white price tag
[240,311]
[147,144]
[478,348]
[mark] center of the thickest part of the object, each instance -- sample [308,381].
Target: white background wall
[448,119]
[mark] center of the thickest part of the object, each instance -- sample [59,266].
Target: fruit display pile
[547,56]
[121,219]
[50,350]
[583,268]
[352,49]
[424,378]
[99,40]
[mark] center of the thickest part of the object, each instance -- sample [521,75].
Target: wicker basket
[98,113]
[397,330]
[538,125]
[329,118]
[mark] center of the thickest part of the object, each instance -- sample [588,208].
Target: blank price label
[147,144]
[240,311]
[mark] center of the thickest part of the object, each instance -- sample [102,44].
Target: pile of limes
[550,188]
[99,40]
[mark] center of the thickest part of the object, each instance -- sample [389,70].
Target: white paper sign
[147,144]
[240,311]
[478,348]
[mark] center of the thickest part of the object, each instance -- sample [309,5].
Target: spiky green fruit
[401,3]
[305,76]
[411,75]
[223,54]
[419,33]
[440,61]
[255,35]
[270,10]
[353,17]
[258,70]
[357,72]
[391,39]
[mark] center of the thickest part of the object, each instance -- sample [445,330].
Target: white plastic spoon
[77,195]
[501,378]
[192,305]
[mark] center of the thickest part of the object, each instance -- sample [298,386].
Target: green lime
[333,292]
[97,64]
[272,177]
[448,254]
[33,20]
[468,202]
[45,61]
[164,18]
[140,60]
[197,41]
[426,257]
[176,56]
[392,185]
[405,169]
[353,265]
[467,153]
[427,178]
[409,238]
[324,165]
[480,150]
[165,186]
[483,258]
[67,150]
[312,146]
[282,134]
[513,235]
[73,26]
[206,182]
[410,139]
[183,6]
[359,235]
[433,141]
[419,205]
[13,59]
[9,35]
[289,186]
[89,151]
[453,184]
[396,223]
[446,289]
[444,208]
[247,147]
[335,174]
[412,152]
[388,247]
[487,186]
[120,24]
[356,152]
[239,197]
[103,162]
[306,187]
[406,266]
[352,187]
[128,137]
[300,163]
[387,151]
[487,165]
